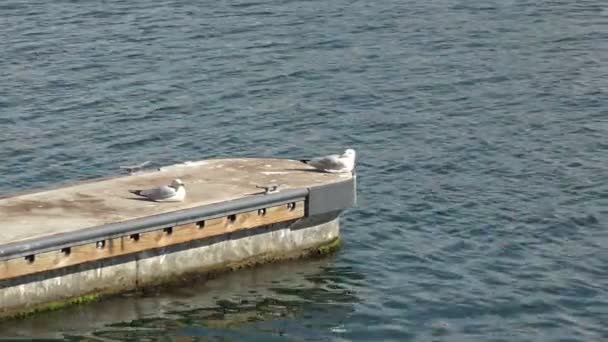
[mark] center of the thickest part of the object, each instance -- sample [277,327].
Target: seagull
[334,163]
[132,168]
[175,192]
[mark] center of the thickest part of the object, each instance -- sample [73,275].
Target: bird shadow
[307,170]
[139,199]
[255,193]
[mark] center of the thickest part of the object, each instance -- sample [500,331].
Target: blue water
[481,128]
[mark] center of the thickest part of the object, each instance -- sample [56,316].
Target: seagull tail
[305,161]
[136,192]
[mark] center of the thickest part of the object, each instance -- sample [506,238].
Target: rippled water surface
[481,126]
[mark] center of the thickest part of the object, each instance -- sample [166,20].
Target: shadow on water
[270,301]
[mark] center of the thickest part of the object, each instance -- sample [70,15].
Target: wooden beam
[134,243]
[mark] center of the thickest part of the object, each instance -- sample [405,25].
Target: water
[481,129]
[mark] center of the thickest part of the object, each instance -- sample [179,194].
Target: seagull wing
[331,162]
[161,193]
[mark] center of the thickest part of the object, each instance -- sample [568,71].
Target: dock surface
[97,203]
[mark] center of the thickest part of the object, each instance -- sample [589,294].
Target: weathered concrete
[61,289]
[166,264]
[96,203]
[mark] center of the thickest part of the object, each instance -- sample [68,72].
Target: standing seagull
[175,192]
[335,163]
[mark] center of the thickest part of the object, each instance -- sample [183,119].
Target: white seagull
[175,192]
[335,163]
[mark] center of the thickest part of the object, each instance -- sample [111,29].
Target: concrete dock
[87,240]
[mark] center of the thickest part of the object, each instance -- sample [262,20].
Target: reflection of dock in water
[253,295]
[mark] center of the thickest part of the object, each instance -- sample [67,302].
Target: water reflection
[270,301]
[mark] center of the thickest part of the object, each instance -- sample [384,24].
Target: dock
[92,239]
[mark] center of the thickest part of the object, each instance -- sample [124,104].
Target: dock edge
[53,271]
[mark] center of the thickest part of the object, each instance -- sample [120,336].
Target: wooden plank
[149,240]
